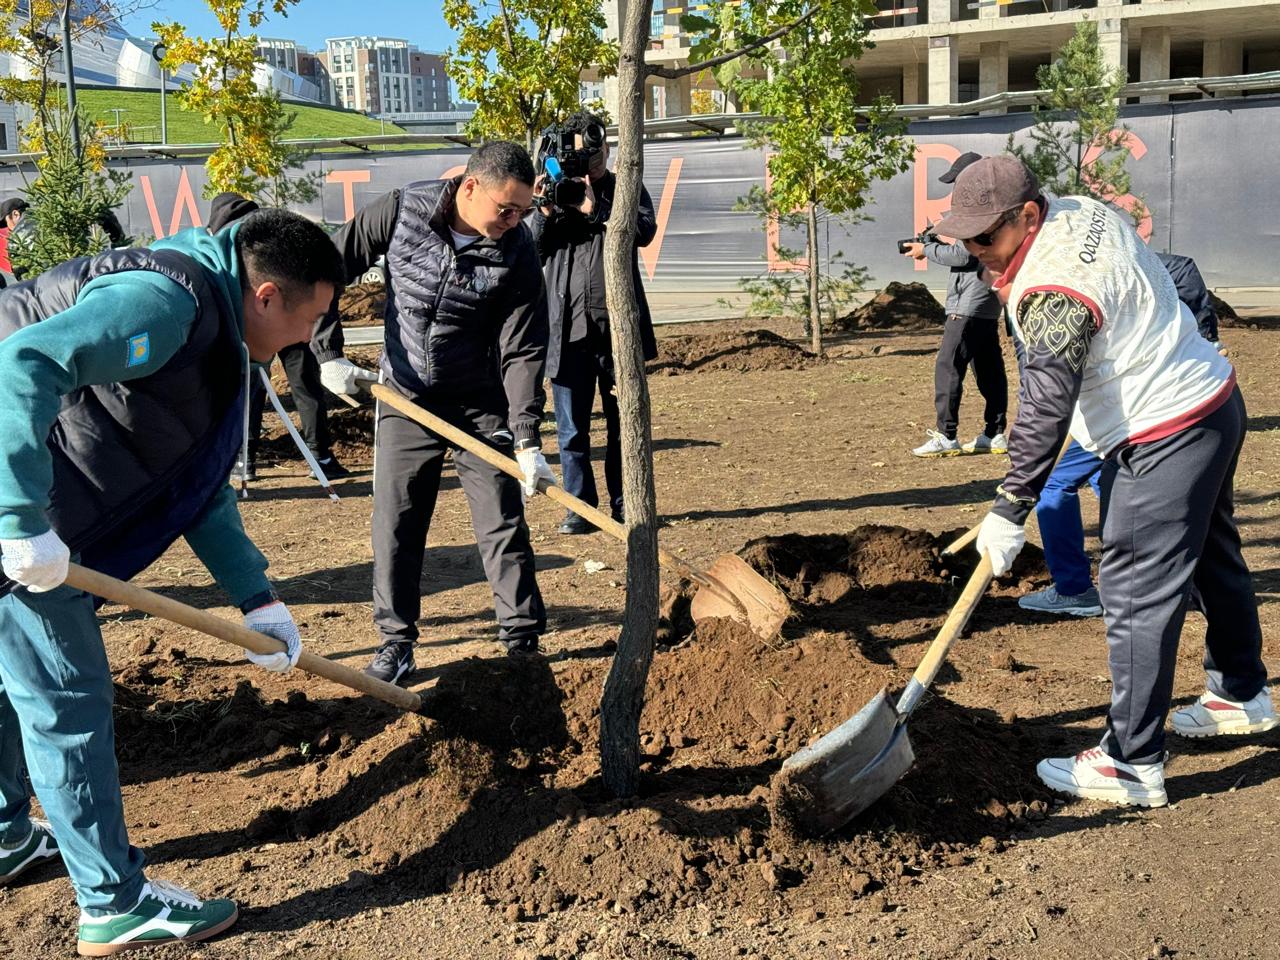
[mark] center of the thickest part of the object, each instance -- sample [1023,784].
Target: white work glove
[275,621]
[340,375]
[534,466]
[37,563]
[1001,540]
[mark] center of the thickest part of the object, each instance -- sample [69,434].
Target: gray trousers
[1168,527]
[406,479]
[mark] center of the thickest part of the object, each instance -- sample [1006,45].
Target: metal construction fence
[1204,169]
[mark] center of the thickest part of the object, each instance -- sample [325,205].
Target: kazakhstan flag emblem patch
[139,350]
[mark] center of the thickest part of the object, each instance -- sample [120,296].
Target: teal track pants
[55,716]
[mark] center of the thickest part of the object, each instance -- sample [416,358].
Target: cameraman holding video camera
[971,335]
[574,197]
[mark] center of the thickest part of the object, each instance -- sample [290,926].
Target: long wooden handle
[118,591]
[951,629]
[965,539]
[473,444]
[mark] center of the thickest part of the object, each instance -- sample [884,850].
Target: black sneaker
[391,662]
[573,525]
[521,647]
[332,468]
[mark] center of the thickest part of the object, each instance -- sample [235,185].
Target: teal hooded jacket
[122,326]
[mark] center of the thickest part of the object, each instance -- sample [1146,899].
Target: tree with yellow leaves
[251,161]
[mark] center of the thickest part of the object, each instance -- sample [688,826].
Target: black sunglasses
[988,238]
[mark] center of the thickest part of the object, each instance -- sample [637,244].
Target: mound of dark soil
[496,790]
[363,304]
[1227,316]
[735,352]
[899,306]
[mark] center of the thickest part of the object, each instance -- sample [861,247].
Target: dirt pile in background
[496,791]
[734,352]
[363,304]
[899,306]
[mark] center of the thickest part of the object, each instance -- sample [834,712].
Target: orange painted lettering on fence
[348,179]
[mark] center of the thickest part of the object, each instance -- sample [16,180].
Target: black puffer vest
[445,310]
[136,463]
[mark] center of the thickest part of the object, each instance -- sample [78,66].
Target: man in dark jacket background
[300,365]
[466,337]
[579,352]
[971,336]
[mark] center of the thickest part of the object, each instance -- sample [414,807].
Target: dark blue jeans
[573,392]
[1061,529]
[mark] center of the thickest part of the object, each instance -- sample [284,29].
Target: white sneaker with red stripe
[1096,775]
[1215,716]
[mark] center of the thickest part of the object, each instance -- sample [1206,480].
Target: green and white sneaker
[16,859]
[165,913]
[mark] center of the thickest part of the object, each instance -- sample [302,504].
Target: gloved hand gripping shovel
[118,591]
[730,588]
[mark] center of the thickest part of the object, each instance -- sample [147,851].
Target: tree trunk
[815,305]
[623,696]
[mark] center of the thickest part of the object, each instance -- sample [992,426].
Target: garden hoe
[828,783]
[118,591]
[731,588]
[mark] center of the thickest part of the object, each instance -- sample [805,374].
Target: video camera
[924,236]
[565,163]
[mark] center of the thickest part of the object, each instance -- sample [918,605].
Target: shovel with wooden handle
[828,783]
[118,591]
[730,588]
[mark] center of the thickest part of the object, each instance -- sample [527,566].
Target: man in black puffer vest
[466,336]
[122,391]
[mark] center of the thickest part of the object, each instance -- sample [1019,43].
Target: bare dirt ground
[347,832]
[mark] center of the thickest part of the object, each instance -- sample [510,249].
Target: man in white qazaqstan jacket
[1115,358]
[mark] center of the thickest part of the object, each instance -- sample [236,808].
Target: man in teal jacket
[122,389]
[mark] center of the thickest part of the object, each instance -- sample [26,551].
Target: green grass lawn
[140,114]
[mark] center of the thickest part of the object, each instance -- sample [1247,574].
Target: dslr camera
[564,157]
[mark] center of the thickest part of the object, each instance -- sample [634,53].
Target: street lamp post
[69,68]
[157,54]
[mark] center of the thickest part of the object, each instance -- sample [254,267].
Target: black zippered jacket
[465,326]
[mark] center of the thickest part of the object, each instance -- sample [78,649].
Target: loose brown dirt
[363,304]
[736,352]
[481,829]
[899,306]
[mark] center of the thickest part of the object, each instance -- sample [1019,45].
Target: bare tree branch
[675,73]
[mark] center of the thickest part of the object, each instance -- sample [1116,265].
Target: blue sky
[311,21]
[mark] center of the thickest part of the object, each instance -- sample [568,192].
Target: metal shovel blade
[830,782]
[761,605]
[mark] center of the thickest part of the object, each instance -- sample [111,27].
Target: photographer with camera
[574,197]
[971,336]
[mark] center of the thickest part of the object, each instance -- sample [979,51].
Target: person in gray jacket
[971,336]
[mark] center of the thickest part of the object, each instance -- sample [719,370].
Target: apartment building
[386,76]
[953,51]
[281,54]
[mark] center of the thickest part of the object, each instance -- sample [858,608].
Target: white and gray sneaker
[1096,775]
[938,445]
[1049,600]
[984,444]
[1215,716]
